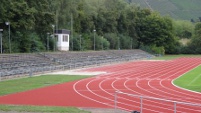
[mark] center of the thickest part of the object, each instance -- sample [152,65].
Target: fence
[123,101]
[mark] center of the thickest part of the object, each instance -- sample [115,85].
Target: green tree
[183,29]
[195,44]
[157,30]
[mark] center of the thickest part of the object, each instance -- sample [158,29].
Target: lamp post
[80,43]
[1,30]
[102,43]
[53,26]
[8,24]
[131,43]
[48,41]
[94,40]
[118,43]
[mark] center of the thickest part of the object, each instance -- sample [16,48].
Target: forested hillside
[115,24]
[178,9]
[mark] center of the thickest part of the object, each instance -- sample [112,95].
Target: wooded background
[119,24]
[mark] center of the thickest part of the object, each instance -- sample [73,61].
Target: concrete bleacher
[12,65]
[17,65]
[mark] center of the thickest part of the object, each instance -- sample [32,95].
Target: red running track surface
[146,78]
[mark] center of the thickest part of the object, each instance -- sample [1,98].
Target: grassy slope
[190,80]
[19,85]
[187,9]
[178,9]
[187,4]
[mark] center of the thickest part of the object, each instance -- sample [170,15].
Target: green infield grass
[190,80]
[24,84]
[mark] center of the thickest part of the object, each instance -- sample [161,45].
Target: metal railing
[175,103]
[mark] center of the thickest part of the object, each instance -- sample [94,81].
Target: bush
[154,49]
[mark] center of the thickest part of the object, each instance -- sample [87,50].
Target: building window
[65,38]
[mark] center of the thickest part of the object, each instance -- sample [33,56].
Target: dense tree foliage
[195,44]
[183,29]
[117,25]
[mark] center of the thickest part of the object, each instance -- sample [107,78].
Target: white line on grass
[194,79]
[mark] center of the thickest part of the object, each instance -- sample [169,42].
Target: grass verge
[190,80]
[42,109]
[19,85]
[170,57]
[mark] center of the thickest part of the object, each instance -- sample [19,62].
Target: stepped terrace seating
[14,65]
[20,64]
[81,59]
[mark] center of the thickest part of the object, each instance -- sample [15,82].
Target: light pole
[48,41]
[53,26]
[102,43]
[94,40]
[8,24]
[131,43]
[118,43]
[1,30]
[80,43]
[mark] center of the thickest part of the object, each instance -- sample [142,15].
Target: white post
[141,104]
[175,107]
[115,100]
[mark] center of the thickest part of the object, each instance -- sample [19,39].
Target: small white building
[62,39]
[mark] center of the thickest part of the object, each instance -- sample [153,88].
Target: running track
[146,78]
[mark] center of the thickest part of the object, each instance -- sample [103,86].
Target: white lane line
[149,91]
[168,76]
[172,98]
[112,94]
[122,75]
[183,93]
[87,97]
[133,101]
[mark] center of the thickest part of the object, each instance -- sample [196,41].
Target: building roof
[62,31]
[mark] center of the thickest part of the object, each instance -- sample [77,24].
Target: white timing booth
[62,39]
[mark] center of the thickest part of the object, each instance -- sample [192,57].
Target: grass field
[190,80]
[24,84]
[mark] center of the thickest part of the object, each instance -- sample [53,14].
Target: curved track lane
[145,78]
